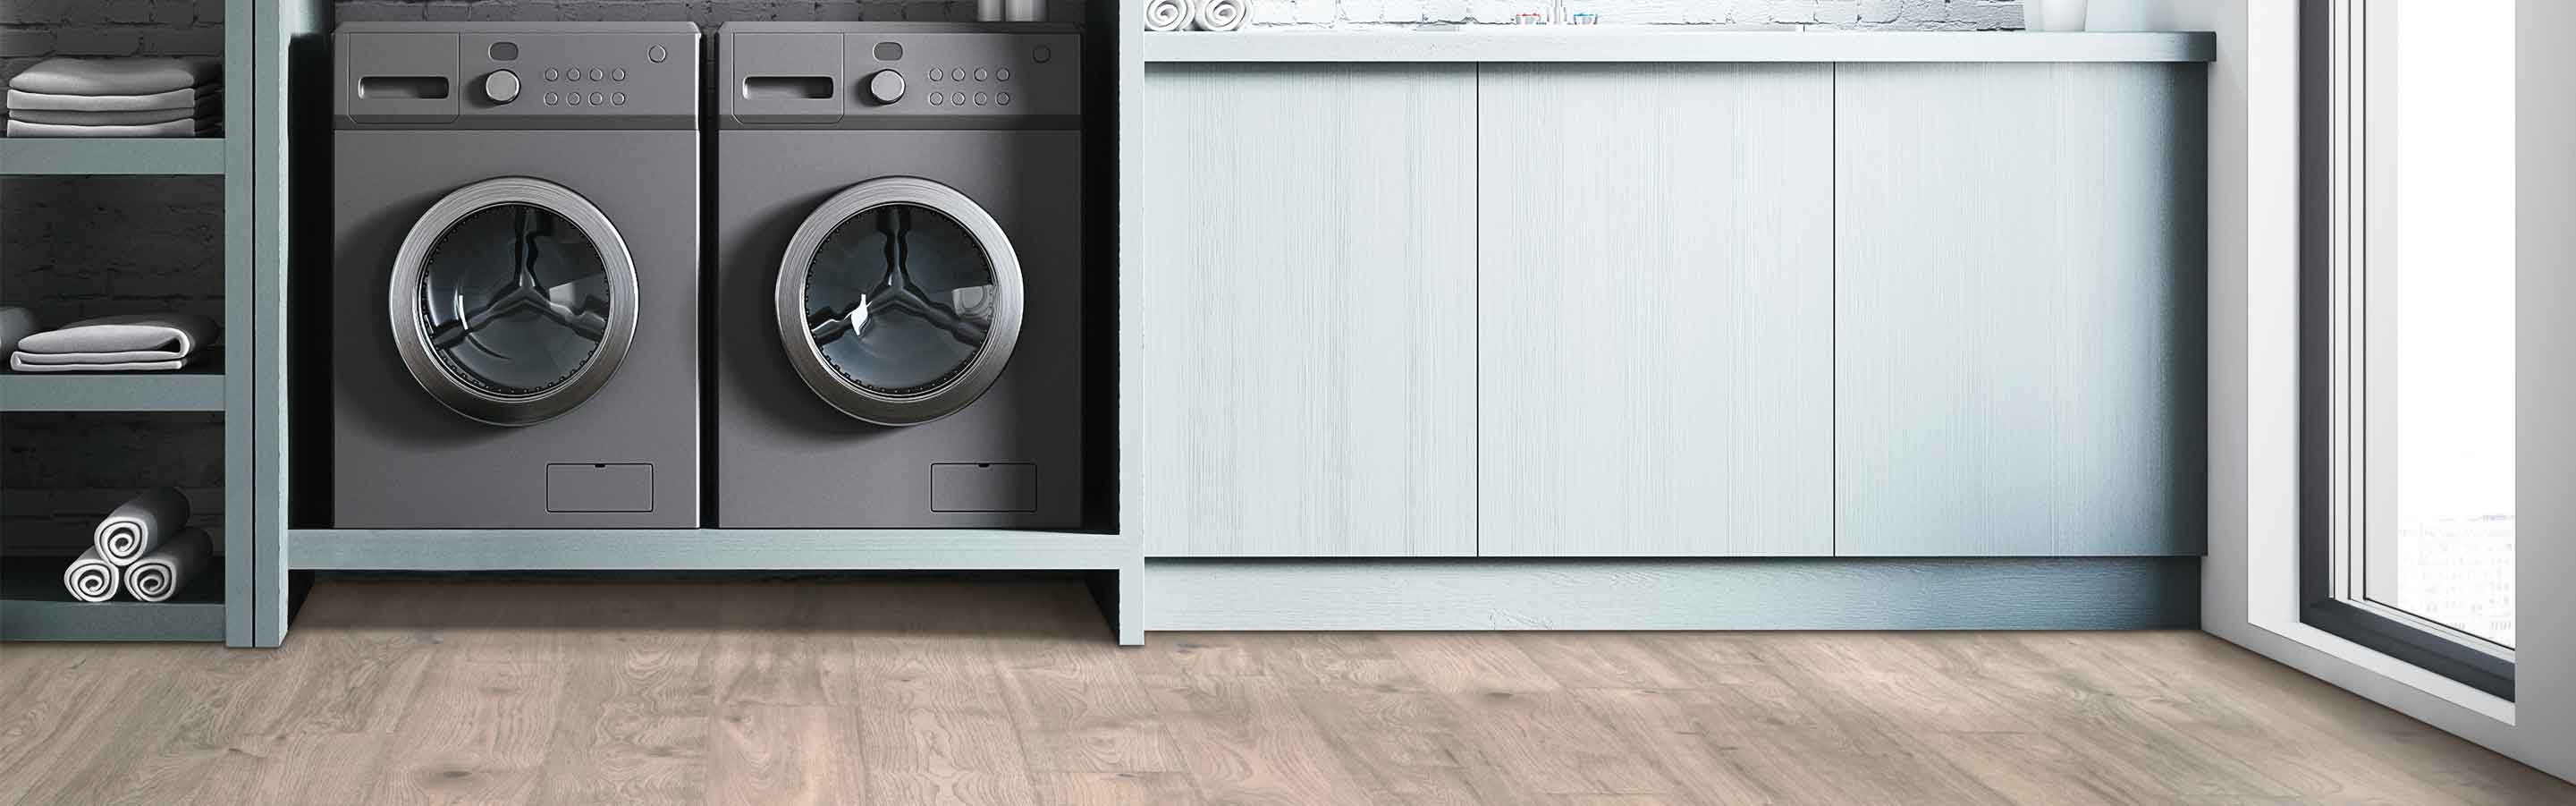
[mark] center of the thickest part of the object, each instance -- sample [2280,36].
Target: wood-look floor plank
[972,691]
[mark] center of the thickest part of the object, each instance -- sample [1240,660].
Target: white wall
[2249,581]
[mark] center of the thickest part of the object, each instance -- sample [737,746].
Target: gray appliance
[898,275]
[513,303]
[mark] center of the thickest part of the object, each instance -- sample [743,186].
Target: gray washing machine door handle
[990,322]
[428,338]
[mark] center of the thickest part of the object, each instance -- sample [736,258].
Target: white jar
[2054,15]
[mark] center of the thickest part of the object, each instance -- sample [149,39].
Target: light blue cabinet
[1655,310]
[2018,309]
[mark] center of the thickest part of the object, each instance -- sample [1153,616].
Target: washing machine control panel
[891,78]
[519,79]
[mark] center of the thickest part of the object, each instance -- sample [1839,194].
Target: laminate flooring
[1010,692]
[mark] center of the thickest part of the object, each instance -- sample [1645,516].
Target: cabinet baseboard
[2093,593]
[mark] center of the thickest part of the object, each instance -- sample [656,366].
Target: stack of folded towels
[145,548]
[130,343]
[125,97]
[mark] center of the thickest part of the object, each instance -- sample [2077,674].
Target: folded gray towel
[18,363]
[174,99]
[209,109]
[169,567]
[184,128]
[90,578]
[64,75]
[140,525]
[157,335]
[15,324]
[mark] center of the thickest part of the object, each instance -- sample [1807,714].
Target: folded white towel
[154,336]
[208,110]
[90,578]
[168,568]
[65,75]
[18,363]
[140,525]
[183,128]
[174,99]
[1167,15]
[1216,15]
[15,324]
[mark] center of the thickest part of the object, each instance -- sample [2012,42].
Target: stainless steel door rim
[910,405]
[409,309]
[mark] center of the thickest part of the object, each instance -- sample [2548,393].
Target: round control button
[957,99]
[617,99]
[502,86]
[983,75]
[573,98]
[957,74]
[554,98]
[572,74]
[618,74]
[937,99]
[982,99]
[596,98]
[885,87]
[1003,98]
[554,74]
[938,75]
[657,54]
[597,74]
[1041,54]
[1002,74]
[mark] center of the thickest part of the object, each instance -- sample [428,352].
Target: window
[2410,315]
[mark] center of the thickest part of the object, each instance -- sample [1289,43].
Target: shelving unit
[215,606]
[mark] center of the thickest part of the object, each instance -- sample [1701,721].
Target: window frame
[2335,431]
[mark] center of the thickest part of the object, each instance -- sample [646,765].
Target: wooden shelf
[24,156]
[200,387]
[34,607]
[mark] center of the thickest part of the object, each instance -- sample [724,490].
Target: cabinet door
[1309,272]
[1655,355]
[2018,309]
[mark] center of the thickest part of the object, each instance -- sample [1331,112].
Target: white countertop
[1671,43]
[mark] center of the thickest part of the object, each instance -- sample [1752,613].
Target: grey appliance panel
[786,459]
[564,78]
[401,459]
[953,75]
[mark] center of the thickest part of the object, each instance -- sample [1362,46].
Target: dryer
[513,298]
[898,231]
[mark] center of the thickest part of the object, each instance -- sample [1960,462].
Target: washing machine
[898,231]
[513,302]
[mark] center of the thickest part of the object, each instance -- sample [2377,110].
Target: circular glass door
[512,300]
[899,301]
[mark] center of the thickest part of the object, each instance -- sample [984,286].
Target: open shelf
[200,387]
[24,156]
[34,607]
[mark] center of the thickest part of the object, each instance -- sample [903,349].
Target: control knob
[885,87]
[502,86]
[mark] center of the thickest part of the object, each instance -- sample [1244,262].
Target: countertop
[1671,43]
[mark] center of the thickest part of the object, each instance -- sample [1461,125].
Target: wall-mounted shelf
[34,607]
[28,156]
[1672,43]
[197,388]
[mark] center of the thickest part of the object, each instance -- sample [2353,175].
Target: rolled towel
[126,337]
[210,109]
[169,567]
[1167,15]
[21,100]
[90,578]
[65,75]
[140,525]
[1216,15]
[15,324]
[177,128]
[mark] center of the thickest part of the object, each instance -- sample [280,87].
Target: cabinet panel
[1309,266]
[2018,309]
[1655,354]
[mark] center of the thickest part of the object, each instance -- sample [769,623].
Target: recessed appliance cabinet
[1781,309]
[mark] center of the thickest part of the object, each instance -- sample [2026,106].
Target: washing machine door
[513,300]
[899,301]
